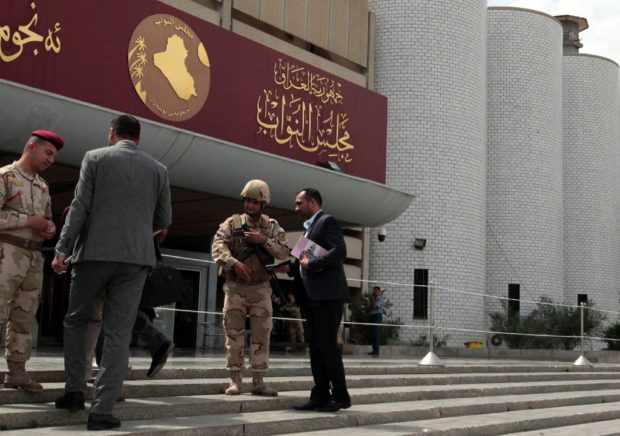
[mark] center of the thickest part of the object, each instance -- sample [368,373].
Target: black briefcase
[163,286]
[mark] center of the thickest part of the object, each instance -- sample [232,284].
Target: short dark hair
[126,127]
[312,194]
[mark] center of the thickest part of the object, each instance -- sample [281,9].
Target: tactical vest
[239,244]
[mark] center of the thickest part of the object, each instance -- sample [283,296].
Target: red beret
[50,136]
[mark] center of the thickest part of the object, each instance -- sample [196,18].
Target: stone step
[187,394]
[145,387]
[588,419]
[451,375]
[175,370]
[482,416]
[600,428]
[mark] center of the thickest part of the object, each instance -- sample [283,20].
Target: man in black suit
[322,300]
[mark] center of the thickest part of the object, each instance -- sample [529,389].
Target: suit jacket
[325,278]
[122,196]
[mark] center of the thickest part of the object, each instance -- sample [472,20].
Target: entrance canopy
[203,167]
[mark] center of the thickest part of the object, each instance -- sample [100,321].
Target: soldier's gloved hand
[49,231]
[38,223]
[281,269]
[243,272]
[255,237]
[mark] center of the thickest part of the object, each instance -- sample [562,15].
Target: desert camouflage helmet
[256,190]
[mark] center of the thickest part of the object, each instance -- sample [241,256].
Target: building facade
[510,143]
[226,91]
[591,189]
[507,136]
[525,238]
[431,63]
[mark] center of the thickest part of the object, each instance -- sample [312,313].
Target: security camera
[381,234]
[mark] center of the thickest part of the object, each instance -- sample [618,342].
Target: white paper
[305,245]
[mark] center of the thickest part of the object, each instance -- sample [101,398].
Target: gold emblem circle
[169,67]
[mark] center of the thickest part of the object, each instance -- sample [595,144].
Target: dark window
[186,322]
[420,294]
[514,295]
[582,298]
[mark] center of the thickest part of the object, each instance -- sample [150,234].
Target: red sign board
[154,61]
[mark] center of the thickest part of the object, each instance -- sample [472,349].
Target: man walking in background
[295,328]
[122,197]
[375,312]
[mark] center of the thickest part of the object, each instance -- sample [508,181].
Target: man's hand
[160,235]
[59,264]
[304,261]
[255,237]
[243,272]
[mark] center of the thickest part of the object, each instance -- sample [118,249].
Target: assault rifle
[264,257]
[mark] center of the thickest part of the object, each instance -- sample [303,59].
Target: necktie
[308,227]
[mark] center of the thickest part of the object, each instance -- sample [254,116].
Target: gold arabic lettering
[289,120]
[165,112]
[185,30]
[295,77]
[313,126]
[26,35]
[53,43]
[169,21]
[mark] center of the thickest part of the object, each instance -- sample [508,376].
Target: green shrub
[613,332]
[422,341]
[503,322]
[548,320]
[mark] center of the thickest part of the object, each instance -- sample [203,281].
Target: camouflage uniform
[21,269]
[242,299]
[295,328]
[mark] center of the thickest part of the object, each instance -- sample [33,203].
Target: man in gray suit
[122,197]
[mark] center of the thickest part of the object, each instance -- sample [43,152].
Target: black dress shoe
[70,401]
[311,405]
[159,359]
[100,421]
[334,406]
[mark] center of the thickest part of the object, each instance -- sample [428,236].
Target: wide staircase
[394,397]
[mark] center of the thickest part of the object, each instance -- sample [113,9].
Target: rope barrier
[477,294]
[193,259]
[409,326]
[426,326]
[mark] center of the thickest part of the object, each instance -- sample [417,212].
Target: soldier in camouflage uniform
[242,246]
[25,221]
[295,328]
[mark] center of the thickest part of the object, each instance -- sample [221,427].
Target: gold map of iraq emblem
[169,67]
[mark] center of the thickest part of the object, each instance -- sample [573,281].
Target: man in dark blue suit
[322,298]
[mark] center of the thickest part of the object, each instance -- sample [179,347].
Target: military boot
[260,388]
[16,378]
[235,383]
